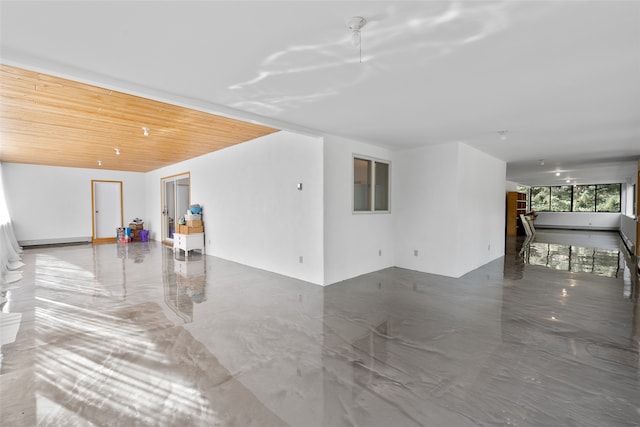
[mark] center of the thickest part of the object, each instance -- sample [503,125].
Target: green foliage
[561,198]
[540,199]
[586,198]
[608,198]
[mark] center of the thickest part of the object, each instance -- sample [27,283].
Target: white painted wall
[51,204]
[253,212]
[510,186]
[578,220]
[352,241]
[426,209]
[451,209]
[481,208]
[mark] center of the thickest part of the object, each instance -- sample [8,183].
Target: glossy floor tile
[126,335]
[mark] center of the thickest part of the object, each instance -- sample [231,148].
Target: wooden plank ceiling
[48,120]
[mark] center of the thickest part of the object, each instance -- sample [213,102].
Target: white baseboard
[57,241]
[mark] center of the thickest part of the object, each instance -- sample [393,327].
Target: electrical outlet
[415,252]
[301,259]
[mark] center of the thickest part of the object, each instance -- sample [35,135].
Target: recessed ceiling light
[568,181]
[557,173]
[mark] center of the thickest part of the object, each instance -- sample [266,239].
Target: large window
[370,185]
[584,198]
[561,198]
[541,199]
[608,198]
[576,198]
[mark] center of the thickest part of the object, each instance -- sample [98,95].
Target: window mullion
[572,188]
[373,186]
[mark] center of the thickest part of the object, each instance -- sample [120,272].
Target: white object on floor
[9,325]
[15,265]
[12,276]
[528,225]
[188,242]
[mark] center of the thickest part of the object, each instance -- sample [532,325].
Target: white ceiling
[562,77]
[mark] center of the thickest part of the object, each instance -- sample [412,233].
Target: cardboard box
[194,223]
[193,230]
[184,229]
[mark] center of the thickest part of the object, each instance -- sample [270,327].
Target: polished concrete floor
[129,335]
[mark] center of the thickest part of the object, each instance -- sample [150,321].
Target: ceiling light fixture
[503,134]
[355,24]
[557,173]
[568,180]
[145,131]
[117,151]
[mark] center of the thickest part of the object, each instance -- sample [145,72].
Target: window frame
[552,194]
[595,192]
[573,198]
[536,208]
[374,161]
[619,197]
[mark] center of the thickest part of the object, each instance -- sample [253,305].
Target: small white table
[188,242]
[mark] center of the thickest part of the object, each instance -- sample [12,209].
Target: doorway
[176,199]
[106,212]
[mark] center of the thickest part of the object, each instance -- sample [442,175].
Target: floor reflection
[142,336]
[184,281]
[603,262]
[596,252]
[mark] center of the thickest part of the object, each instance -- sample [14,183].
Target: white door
[107,209]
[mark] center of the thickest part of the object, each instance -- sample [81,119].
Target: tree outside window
[584,198]
[561,198]
[541,199]
[608,198]
[577,198]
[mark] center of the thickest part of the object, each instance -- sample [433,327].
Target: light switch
[300,186]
